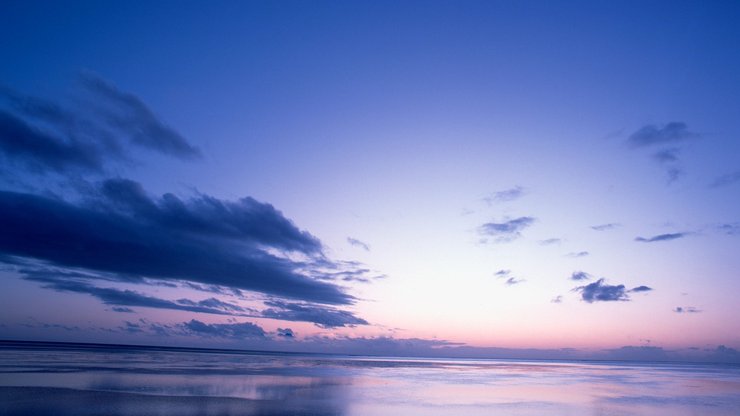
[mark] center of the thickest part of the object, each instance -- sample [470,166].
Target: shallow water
[59,380]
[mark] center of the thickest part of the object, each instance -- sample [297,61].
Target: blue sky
[495,174]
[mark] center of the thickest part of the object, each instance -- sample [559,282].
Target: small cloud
[321,316]
[667,155]
[506,230]
[550,241]
[599,291]
[650,135]
[606,227]
[730,229]
[122,309]
[576,254]
[285,333]
[513,281]
[505,195]
[502,273]
[661,237]
[725,180]
[686,309]
[580,276]
[357,243]
[557,299]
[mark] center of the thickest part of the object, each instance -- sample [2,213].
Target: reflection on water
[128,381]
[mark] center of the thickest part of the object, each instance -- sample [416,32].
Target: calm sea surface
[59,380]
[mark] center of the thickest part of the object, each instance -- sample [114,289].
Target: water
[63,380]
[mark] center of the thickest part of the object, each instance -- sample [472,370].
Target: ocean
[65,379]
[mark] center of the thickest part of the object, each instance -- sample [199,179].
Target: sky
[461,178]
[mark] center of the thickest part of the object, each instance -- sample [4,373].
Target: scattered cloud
[357,243]
[686,309]
[550,241]
[122,309]
[652,135]
[661,237]
[557,299]
[606,227]
[243,330]
[576,254]
[514,281]
[507,230]
[506,195]
[599,291]
[321,316]
[502,273]
[725,180]
[580,276]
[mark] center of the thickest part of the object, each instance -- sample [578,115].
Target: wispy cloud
[505,195]
[606,227]
[576,254]
[557,299]
[686,309]
[674,133]
[513,281]
[661,237]
[506,230]
[725,180]
[243,330]
[322,316]
[599,291]
[550,241]
[357,243]
[652,135]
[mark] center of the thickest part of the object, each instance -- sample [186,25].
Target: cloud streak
[652,135]
[661,237]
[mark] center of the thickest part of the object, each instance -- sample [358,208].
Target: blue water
[56,379]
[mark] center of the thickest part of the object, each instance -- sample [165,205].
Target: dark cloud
[121,297]
[580,276]
[128,116]
[599,291]
[285,333]
[550,241]
[507,230]
[605,227]
[726,180]
[576,254]
[41,151]
[122,309]
[661,237]
[86,135]
[238,331]
[650,135]
[505,195]
[128,234]
[321,316]
[357,243]
[686,309]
